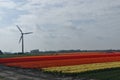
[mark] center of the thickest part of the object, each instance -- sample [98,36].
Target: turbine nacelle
[24,34]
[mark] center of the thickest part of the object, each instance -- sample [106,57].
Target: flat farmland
[73,63]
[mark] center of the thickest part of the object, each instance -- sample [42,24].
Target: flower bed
[72,59]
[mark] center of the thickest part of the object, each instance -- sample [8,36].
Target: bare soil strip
[11,73]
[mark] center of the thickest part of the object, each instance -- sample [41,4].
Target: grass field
[1,78]
[16,55]
[105,74]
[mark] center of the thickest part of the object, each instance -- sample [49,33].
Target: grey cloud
[63,24]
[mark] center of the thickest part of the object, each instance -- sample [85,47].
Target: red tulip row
[56,57]
[63,62]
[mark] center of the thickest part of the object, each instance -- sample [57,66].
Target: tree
[1,52]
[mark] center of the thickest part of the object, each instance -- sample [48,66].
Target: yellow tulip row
[83,67]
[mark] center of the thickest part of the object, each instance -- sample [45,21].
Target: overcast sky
[60,24]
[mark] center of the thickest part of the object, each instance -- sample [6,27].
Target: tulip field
[78,62]
[83,68]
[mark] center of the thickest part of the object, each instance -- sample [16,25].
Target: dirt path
[10,73]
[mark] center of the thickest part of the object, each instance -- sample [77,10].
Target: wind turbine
[22,37]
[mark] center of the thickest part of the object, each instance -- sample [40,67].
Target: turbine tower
[22,37]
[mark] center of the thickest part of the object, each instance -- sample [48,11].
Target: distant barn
[34,51]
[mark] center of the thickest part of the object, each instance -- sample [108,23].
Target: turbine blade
[20,38]
[19,28]
[28,33]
